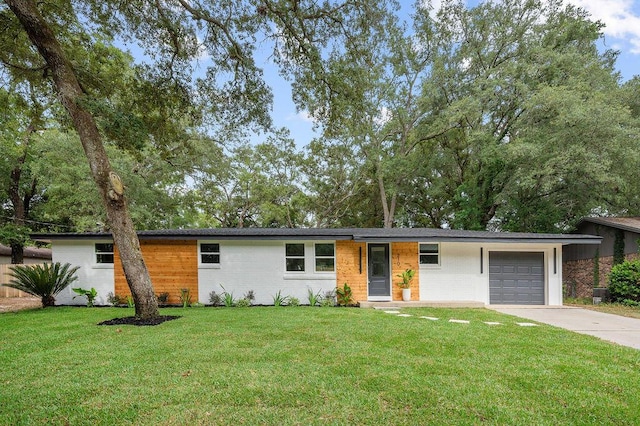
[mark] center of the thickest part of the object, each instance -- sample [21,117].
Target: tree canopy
[504,116]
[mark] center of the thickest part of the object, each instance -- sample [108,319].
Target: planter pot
[600,294]
[406,294]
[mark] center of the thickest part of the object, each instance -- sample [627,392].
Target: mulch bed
[140,321]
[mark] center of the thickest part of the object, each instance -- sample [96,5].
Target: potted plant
[405,284]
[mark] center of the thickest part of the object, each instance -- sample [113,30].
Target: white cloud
[621,17]
[302,116]
[384,116]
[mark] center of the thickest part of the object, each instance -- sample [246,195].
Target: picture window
[104,253]
[210,253]
[294,257]
[430,254]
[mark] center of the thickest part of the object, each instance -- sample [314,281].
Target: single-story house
[450,265]
[579,261]
[31,255]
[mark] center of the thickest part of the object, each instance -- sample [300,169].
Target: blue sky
[622,33]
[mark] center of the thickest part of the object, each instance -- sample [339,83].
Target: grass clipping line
[140,321]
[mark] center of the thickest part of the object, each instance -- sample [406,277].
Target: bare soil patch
[14,304]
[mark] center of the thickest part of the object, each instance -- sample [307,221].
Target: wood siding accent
[172,265]
[404,256]
[348,260]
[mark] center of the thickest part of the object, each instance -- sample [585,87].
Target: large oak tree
[175,37]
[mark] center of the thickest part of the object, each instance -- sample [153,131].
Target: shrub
[344,295]
[163,298]
[328,300]
[313,298]
[44,281]
[90,295]
[243,303]
[114,299]
[294,301]
[215,299]
[227,298]
[279,299]
[185,297]
[250,296]
[624,282]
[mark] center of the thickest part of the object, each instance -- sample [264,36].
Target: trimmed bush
[624,283]
[44,281]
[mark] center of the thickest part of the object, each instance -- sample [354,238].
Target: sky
[621,33]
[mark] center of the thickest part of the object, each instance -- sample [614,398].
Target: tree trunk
[19,215]
[387,210]
[111,189]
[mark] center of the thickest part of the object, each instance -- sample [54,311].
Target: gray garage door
[516,278]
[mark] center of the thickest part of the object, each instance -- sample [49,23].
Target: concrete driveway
[613,328]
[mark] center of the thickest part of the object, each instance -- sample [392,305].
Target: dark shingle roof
[357,234]
[29,252]
[626,223]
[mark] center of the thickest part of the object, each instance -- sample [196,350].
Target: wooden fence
[5,278]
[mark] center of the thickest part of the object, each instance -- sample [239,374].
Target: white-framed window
[325,257]
[210,253]
[429,254]
[104,253]
[294,257]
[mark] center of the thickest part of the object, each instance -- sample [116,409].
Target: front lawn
[308,366]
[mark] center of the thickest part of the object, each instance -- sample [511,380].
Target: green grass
[607,308]
[308,366]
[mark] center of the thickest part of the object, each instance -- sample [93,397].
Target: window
[430,254]
[104,253]
[210,253]
[294,257]
[325,257]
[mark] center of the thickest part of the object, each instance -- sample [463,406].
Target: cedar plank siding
[172,264]
[348,268]
[404,256]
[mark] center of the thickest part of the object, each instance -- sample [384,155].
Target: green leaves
[89,294]
[44,281]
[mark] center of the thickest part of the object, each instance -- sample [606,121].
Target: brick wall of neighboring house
[351,267]
[172,264]
[578,275]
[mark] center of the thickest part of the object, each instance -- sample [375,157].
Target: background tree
[524,92]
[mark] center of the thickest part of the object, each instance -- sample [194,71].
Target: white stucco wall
[260,266]
[459,276]
[91,274]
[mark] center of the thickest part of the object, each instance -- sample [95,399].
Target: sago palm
[44,281]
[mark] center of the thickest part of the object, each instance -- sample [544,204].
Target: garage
[516,278]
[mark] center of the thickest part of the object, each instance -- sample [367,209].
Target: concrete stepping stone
[391,312]
[527,324]
[431,318]
[492,323]
[457,321]
[405,315]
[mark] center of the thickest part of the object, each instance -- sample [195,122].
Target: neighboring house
[579,266]
[450,265]
[31,255]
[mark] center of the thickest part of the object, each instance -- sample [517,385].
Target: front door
[379,272]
